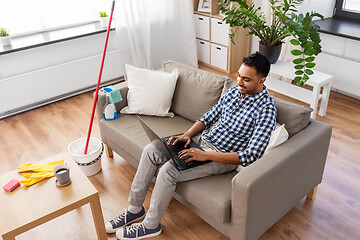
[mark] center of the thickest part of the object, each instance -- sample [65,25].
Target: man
[234,132]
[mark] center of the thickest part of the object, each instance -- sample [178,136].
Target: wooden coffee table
[28,207]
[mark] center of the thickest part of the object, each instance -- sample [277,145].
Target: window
[351,6]
[30,16]
[348,8]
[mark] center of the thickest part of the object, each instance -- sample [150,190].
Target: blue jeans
[167,179]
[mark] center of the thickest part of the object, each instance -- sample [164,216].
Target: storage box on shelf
[214,47]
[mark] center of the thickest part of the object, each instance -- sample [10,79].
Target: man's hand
[196,128]
[182,138]
[194,154]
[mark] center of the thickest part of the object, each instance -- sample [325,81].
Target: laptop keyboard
[181,163]
[174,151]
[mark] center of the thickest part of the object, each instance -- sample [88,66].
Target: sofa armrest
[266,190]
[120,105]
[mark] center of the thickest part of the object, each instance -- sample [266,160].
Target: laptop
[172,150]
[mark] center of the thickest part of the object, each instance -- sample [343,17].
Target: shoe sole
[135,220]
[147,236]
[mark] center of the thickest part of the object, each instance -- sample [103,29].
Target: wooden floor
[43,132]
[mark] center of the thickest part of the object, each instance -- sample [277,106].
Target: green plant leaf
[309,72]
[309,59]
[306,21]
[300,17]
[308,44]
[298,60]
[299,72]
[297,79]
[305,77]
[296,52]
[310,52]
[294,42]
[310,65]
[299,66]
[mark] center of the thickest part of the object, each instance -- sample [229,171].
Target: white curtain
[157,30]
[324,7]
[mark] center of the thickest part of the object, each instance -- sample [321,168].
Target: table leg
[315,100]
[325,98]
[8,237]
[98,217]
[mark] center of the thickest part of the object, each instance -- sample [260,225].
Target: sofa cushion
[294,116]
[127,131]
[210,194]
[196,91]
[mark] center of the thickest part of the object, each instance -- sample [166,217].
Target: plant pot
[104,21]
[5,41]
[271,52]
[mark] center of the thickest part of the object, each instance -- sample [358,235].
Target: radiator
[33,89]
[346,73]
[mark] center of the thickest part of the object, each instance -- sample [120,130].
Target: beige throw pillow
[196,91]
[294,116]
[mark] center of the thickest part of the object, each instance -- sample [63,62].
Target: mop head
[81,149]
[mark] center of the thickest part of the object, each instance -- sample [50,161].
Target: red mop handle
[98,83]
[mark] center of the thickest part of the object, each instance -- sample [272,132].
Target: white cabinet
[211,31]
[214,47]
[202,27]
[203,50]
[219,55]
[219,32]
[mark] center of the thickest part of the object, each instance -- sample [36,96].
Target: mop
[98,83]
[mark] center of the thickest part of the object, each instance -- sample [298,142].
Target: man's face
[249,81]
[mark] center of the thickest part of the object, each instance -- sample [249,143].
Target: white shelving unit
[214,47]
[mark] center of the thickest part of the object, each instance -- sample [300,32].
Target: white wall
[41,75]
[50,55]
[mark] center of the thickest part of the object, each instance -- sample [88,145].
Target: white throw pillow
[278,136]
[150,91]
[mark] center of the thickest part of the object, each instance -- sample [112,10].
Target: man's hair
[259,62]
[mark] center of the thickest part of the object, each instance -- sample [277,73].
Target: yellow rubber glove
[39,167]
[32,178]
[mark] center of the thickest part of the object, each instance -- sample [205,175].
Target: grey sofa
[244,204]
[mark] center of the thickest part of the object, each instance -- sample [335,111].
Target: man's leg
[150,160]
[166,182]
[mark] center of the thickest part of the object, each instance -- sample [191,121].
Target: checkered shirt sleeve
[264,125]
[243,126]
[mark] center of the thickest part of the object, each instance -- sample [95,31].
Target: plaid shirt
[241,125]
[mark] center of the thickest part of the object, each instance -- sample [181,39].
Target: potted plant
[284,22]
[104,19]
[5,37]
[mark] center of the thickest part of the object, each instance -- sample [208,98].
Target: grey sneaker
[137,231]
[124,219]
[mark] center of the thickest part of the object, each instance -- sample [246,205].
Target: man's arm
[265,124]
[196,128]
[200,125]
[254,150]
